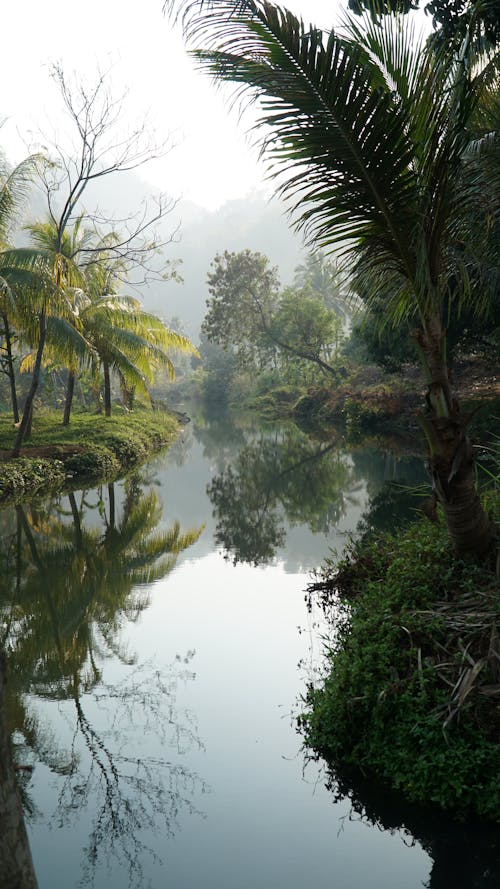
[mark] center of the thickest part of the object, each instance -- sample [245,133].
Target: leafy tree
[381,143]
[267,328]
[311,334]
[243,291]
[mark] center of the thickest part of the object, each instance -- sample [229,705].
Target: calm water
[159,643]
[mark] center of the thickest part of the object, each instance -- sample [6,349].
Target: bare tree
[98,147]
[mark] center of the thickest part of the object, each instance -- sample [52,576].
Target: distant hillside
[253,222]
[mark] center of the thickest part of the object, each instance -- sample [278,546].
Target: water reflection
[283,476]
[16,865]
[73,569]
[464,856]
[281,479]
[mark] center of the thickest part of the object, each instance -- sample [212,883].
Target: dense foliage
[386,147]
[413,678]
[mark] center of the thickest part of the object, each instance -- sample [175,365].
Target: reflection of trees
[281,476]
[464,856]
[16,866]
[129,798]
[66,589]
[220,438]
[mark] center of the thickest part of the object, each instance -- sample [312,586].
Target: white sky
[213,161]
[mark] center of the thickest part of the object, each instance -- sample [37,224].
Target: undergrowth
[412,690]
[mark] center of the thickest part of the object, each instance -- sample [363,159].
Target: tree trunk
[112,507]
[10,369]
[16,864]
[451,457]
[70,390]
[25,427]
[76,522]
[107,390]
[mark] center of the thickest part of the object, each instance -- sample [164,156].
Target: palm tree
[108,330]
[378,141]
[131,342]
[322,275]
[14,184]
[44,280]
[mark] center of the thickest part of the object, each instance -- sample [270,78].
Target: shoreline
[92,449]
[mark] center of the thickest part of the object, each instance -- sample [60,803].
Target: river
[158,645]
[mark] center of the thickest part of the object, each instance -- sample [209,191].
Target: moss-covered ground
[91,447]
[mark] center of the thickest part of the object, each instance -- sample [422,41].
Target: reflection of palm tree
[68,588]
[78,583]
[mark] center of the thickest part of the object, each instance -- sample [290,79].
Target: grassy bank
[91,447]
[412,689]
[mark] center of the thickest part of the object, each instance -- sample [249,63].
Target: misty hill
[197,235]
[252,222]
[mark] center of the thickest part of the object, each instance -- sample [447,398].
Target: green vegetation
[64,315]
[391,161]
[258,336]
[91,447]
[411,694]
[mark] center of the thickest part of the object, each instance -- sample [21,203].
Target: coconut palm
[129,341]
[110,331]
[378,141]
[44,279]
[14,186]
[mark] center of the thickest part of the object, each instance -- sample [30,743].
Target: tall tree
[14,185]
[101,150]
[375,138]
[248,313]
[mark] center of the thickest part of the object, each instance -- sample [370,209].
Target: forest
[352,398]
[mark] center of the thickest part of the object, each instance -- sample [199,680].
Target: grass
[412,684]
[91,447]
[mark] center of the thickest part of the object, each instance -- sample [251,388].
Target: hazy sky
[212,161]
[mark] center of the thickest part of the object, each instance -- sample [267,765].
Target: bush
[411,692]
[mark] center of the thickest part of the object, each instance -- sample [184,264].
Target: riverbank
[92,447]
[412,686]
[373,400]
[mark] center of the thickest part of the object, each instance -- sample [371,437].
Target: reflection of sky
[259,821]
[265,823]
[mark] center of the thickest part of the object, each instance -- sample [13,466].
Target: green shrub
[407,628]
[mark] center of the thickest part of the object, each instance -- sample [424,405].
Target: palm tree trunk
[70,390]
[107,390]
[10,368]
[112,507]
[16,864]
[451,457]
[76,522]
[25,426]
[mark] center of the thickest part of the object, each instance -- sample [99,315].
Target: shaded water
[158,643]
